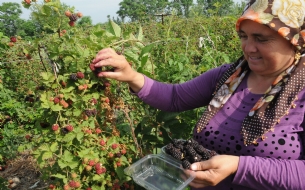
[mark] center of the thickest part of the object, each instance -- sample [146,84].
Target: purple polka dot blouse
[275,163]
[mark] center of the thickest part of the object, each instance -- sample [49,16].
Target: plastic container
[156,172]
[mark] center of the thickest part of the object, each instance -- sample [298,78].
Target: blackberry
[73,76]
[73,17]
[94,112]
[64,130]
[177,154]
[190,150]
[118,155]
[192,142]
[186,164]
[202,152]
[196,158]
[88,113]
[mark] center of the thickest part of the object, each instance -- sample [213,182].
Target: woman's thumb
[199,166]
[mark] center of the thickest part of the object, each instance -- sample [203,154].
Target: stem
[132,132]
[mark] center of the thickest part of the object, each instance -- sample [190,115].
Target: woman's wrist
[137,83]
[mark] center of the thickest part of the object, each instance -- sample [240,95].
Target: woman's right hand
[122,69]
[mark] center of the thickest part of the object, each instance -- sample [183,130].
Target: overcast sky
[96,9]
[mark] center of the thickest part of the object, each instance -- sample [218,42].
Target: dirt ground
[22,174]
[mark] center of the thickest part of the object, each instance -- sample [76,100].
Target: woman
[255,115]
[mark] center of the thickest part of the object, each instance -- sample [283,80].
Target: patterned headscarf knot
[284,16]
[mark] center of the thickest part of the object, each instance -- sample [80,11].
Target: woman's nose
[249,46]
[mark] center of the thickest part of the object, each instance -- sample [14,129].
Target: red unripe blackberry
[114,146]
[27,1]
[66,187]
[102,142]
[80,75]
[72,184]
[119,164]
[94,101]
[64,103]
[68,13]
[79,14]
[51,186]
[55,127]
[89,188]
[107,83]
[92,67]
[110,155]
[69,128]
[71,23]
[13,39]
[98,130]
[91,163]
[56,100]
[107,100]
[64,31]
[123,151]
[77,184]
[98,166]
[99,171]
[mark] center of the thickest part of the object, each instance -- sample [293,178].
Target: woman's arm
[180,97]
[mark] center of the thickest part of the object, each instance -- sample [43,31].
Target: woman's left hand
[213,171]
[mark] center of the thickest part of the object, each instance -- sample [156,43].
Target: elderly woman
[255,106]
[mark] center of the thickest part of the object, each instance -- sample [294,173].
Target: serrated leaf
[120,172]
[114,29]
[79,137]
[83,153]
[73,164]
[68,156]
[47,155]
[54,147]
[98,177]
[44,147]
[69,137]
[61,164]
[56,107]
[59,176]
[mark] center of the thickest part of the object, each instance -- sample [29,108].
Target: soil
[22,173]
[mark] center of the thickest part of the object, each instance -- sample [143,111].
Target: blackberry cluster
[188,152]
[92,112]
[73,17]
[73,76]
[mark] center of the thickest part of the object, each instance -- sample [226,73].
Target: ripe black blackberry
[88,113]
[192,142]
[176,153]
[202,152]
[186,164]
[73,17]
[196,158]
[190,150]
[73,76]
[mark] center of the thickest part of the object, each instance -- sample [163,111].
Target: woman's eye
[242,36]
[261,40]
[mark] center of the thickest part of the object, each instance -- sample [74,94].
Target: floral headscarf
[287,18]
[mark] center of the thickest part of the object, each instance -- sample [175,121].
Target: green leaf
[98,177]
[61,164]
[79,137]
[68,156]
[44,147]
[114,29]
[146,50]
[47,155]
[120,172]
[83,153]
[69,137]
[165,116]
[73,164]
[180,65]
[56,107]
[140,34]
[59,176]
[54,147]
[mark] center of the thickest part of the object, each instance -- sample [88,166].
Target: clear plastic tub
[156,172]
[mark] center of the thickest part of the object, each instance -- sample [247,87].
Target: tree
[182,6]
[215,7]
[85,21]
[141,9]
[9,14]
[27,29]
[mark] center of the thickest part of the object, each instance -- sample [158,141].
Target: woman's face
[267,52]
